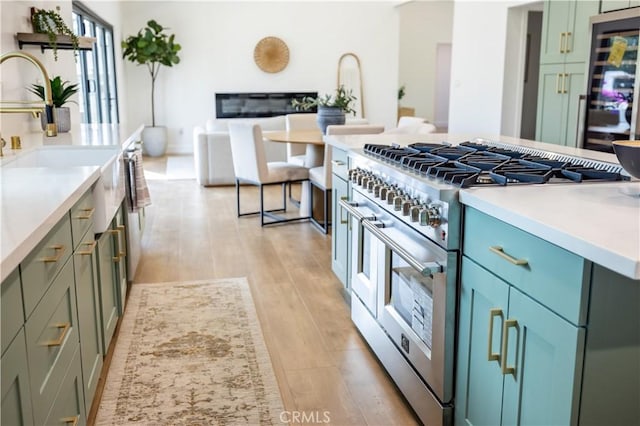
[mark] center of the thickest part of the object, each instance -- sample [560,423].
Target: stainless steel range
[406,238]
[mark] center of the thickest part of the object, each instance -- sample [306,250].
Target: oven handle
[426,269]
[351,208]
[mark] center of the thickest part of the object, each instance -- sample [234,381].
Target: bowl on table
[628,153]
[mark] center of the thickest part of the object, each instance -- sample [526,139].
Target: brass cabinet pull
[505,347]
[567,45]
[88,213]
[500,252]
[494,312]
[122,247]
[59,248]
[71,419]
[89,251]
[65,326]
[342,220]
[562,39]
[564,81]
[116,259]
[558,77]
[337,162]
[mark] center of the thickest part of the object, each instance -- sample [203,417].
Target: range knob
[430,216]
[406,206]
[371,183]
[391,194]
[377,188]
[352,173]
[398,200]
[384,189]
[414,212]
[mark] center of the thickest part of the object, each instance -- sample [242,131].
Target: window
[96,68]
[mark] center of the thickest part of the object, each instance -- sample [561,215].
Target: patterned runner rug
[190,353]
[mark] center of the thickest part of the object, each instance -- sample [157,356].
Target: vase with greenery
[61,92]
[50,22]
[152,47]
[331,108]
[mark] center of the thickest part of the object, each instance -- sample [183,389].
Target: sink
[109,190]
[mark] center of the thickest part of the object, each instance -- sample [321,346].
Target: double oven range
[406,224]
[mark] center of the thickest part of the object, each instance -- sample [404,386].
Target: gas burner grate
[427,147]
[484,160]
[452,152]
[422,161]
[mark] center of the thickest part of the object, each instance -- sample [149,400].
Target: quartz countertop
[33,200]
[598,221]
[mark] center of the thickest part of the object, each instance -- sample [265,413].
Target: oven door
[417,302]
[368,253]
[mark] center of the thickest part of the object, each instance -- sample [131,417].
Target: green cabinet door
[89,321]
[573,89]
[555,21]
[340,239]
[16,394]
[545,352]
[579,30]
[121,265]
[551,114]
[108,286]
[484,300]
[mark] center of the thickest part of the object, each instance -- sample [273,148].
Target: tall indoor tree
[152,47]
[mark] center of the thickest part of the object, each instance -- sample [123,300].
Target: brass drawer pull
[505,346]
[88,213]
[89,251]
[59,248]
[116,259]
[342,220]
[71,419]
[337,163]
[122,247]
[495,312]
[65,329]
[500,252]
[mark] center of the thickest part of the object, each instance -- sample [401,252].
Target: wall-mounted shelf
[63,41]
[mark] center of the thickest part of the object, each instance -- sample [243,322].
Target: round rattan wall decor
[271,54]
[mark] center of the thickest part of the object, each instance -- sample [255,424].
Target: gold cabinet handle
[337,162]
[564,82]
[87,213]
[71,419]
[89,251]
[494,312]
[558,77]
[65,329]
[59,249]
[500,252]
[342,220]
[121,243]
[562,40]
[115,232]
[567,48]
[505,346]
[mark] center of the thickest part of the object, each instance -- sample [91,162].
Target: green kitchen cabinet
[611,5]
[340,228]
[108,284]
[121,273]
[559,101]
[16,394]
[565,31]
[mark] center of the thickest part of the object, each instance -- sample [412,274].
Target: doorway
[531,72]
[443,82]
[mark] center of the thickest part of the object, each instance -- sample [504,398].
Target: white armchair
[412,125]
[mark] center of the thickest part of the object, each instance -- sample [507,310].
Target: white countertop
[598,221]
[32,201]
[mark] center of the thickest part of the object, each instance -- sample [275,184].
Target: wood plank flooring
[321,362]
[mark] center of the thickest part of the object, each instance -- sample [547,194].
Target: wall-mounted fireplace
[244,105]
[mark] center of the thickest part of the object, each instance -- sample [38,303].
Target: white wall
[218,39]
[423,25]
[478,66]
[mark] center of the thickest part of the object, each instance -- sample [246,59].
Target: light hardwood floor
[320,360]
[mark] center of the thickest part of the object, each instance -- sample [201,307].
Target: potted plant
[152,47]
[50,22]
[331,108]
[61,91]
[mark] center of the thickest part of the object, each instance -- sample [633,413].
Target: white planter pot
[62,117]
[154,141]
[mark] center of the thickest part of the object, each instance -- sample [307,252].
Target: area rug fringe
[121,404]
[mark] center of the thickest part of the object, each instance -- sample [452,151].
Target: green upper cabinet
[565,31]
[610,5]
[340,232]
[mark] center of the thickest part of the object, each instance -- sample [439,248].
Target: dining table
[314,156]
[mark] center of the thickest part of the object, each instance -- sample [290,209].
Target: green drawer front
[340,163]
[16,395]
[44,262]
[82,218]
[553,276]
[52,340]
[68,405]
[11,310]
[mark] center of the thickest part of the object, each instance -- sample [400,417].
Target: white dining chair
[320,177]
[296,151]
[251,167]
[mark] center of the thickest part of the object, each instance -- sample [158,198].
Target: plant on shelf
[50,22]
[61,92]
[401,93]
[331,108]
[152,47]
